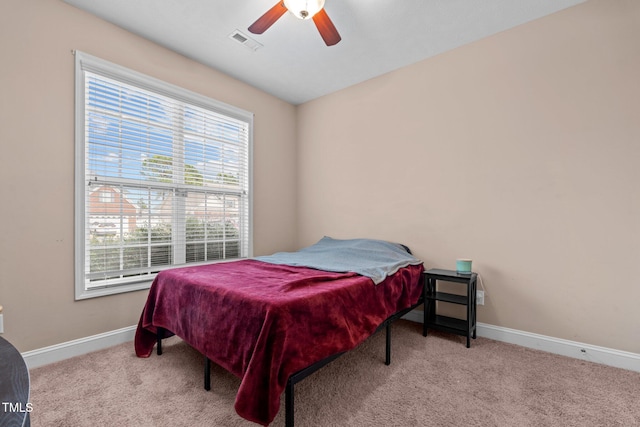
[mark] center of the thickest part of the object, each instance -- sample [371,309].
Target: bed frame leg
[207,373]
[288,404]
[387,360]
[159,341]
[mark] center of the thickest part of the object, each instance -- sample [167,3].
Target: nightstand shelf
[465,327]
[452,298]
[448,324]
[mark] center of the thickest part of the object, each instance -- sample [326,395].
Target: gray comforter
[375,259]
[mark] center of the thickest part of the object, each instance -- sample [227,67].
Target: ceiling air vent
[245,40]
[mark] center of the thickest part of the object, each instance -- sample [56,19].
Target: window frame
[85,62]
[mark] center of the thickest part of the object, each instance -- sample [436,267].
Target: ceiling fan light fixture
[304,9]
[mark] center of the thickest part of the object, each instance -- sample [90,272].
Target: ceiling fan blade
[326,28]
[265,21]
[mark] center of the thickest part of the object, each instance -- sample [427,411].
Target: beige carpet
[433,381]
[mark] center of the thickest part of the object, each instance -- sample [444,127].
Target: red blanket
[263,322]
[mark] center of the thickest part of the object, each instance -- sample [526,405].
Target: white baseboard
[577,350]
[592,353]
[55,353]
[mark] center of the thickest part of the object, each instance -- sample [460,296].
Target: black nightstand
[465,327]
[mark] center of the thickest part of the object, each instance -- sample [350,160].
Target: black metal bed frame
[305,372]
[298,376]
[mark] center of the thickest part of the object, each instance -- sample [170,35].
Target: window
[106,197]
[163,179]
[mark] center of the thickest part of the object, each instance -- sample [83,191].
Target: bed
[274,320]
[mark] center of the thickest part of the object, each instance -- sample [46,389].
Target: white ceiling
[293,63]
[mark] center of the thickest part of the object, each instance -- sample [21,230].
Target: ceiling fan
[302,9]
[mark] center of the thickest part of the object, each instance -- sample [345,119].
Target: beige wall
[517,151]
[520,151]
[37,140]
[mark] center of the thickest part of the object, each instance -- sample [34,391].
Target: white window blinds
[163,178]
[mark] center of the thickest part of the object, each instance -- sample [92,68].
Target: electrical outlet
[1,324]
[480,297]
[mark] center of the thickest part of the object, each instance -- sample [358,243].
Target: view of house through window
[164,179]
